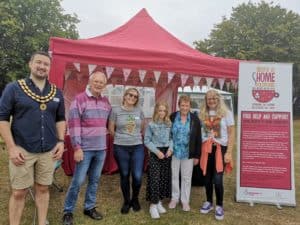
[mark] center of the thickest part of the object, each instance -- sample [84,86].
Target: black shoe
[93,214]
[135,205]
[125,208]
[68,219]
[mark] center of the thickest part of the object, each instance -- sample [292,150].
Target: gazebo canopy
[140,44]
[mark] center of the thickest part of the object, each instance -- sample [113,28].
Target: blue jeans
[91,165]
[130,160]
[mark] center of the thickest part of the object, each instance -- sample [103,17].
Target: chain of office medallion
[38,98]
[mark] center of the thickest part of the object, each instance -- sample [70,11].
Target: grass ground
[109,202]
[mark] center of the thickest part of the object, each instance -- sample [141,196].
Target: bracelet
[60,140]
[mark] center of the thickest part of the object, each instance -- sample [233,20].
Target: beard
[39,74]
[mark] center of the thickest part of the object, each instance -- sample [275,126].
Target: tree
[25,27]
[257,32]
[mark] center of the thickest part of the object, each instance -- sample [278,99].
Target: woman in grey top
[125,125]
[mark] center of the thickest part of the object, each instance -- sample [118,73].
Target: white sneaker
[206,208]
[160,208]
[219,214]
[154,212]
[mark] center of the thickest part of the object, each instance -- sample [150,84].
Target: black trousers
[213,178]
[159,178]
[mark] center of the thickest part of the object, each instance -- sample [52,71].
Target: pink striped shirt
[87,122]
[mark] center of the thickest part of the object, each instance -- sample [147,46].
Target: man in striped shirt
[87,126]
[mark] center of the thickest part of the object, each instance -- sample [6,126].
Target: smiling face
[212,100]
[162,112]
[39,66]
[97,83]
[131,97]
[184,107]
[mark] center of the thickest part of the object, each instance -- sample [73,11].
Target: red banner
[265,150]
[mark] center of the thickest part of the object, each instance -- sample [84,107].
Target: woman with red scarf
[217,143]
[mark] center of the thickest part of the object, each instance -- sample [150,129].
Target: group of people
[32,124]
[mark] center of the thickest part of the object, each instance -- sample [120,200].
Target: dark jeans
[213,177]
[130,160]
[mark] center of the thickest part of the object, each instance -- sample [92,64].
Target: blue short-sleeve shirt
[32,128]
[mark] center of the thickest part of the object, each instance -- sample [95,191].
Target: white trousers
[185,168]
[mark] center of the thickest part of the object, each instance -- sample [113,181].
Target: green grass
[109,202]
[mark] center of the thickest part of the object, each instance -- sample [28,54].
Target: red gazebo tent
[140,44]
[154,57]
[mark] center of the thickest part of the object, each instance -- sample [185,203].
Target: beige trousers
[185,168]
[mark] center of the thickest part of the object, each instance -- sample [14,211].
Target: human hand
[160,155]
[58,151]
[16,156]
[196,161]
[228,157]
[169,153]
[78,155]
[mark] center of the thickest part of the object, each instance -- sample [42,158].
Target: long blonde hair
[155,117]
[221,109]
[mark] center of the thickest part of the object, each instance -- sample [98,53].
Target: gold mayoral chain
[40,99]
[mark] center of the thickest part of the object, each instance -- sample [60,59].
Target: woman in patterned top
[217,144]
[158,141]
[186,136]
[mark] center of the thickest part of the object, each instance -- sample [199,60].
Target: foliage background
[260,32]
[25,27]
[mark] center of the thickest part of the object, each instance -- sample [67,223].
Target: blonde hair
[221,109]
[155,117]
[127,91]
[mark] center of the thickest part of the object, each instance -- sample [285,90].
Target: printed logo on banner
[264,84]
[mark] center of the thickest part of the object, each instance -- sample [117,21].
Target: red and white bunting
[67,74]
[109,70]
[170,76]
[196,80]
[208,81]
[142,74]
[77,66]
[184,78]
[235,84]
[92,67]
[214,83]
[221,82]
[227,85]
[156,75]
[126,73]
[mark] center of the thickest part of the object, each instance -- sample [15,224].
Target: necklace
[212,125]
[40,99]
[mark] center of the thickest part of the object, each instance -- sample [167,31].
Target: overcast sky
[188,20]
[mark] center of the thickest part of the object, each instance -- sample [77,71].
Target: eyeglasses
[133,96]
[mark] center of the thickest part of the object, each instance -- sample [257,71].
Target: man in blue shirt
[34,138]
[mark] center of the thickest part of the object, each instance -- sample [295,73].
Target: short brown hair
[40,53]
[184,98]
